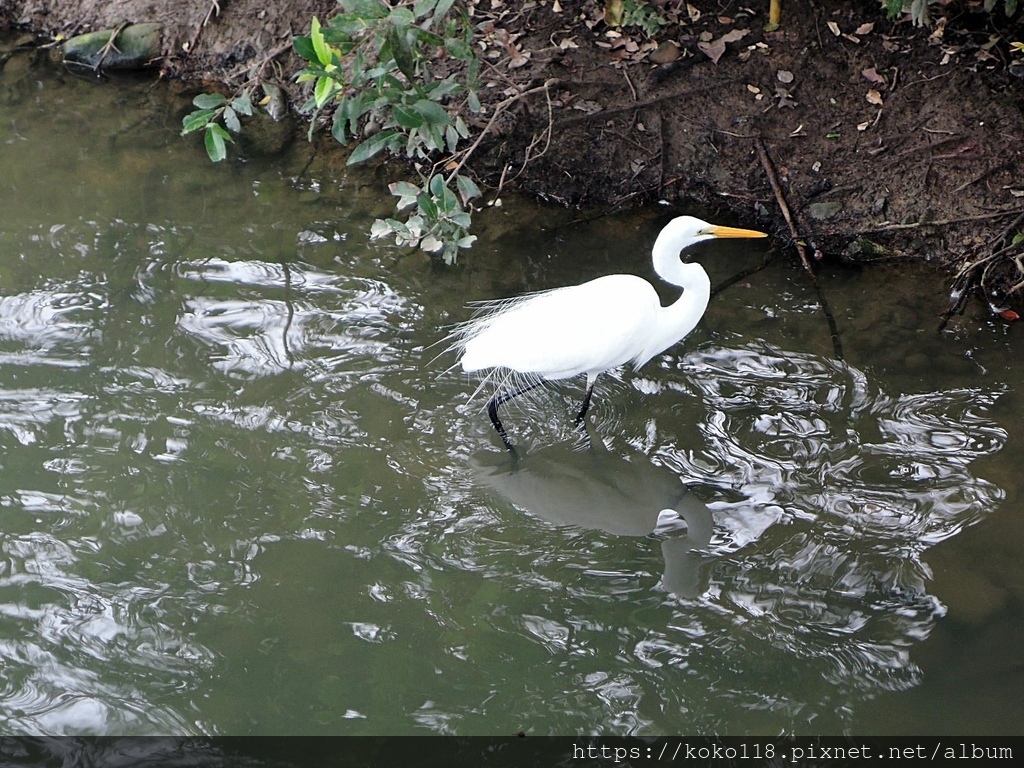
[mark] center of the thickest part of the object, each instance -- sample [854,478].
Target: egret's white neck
[682,316]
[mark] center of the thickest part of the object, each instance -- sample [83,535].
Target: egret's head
[684,231]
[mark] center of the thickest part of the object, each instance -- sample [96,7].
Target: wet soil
[861,138]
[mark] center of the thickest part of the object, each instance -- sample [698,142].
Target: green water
[239,494]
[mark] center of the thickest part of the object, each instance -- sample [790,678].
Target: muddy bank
[864,138]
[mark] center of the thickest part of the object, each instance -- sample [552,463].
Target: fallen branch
[934,222]
[801,248]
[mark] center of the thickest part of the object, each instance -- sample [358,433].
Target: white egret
[592,327]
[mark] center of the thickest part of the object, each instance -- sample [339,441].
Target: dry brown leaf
[835,28]
[716,48]
[693,13]
[713,50]
[874,97]
[864,29]
[872,76]
[734,35]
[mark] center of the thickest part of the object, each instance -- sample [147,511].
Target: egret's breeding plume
[589,328]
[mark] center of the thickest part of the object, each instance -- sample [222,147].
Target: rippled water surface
[239,494]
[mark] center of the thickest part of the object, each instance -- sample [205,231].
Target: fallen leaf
[1009,315]
[734,35]
[835,28]
[716,48]
[852,39]
[874,97]
[556,7]
[872,76]
[784,76]
[713,50]
[693,13]
[784,98]
[864,29]
[863,126]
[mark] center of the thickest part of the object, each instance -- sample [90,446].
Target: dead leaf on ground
[874,97]
[864,29]
[714,49]
[835,28]
[872,76]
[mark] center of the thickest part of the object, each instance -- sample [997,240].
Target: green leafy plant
[919,8]
[211,108]
[639,13]
[374,66]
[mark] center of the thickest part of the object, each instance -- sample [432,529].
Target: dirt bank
[885,141]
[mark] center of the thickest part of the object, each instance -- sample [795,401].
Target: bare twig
[213,9]
[773,180]
[498,109]
[937,222]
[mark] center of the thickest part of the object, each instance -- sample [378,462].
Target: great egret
[592,327]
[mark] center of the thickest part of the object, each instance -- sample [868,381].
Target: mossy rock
[136,46]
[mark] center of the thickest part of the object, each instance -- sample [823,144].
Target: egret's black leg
[492,410]
[586,405]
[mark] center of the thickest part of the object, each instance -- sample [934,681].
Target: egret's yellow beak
[718,231]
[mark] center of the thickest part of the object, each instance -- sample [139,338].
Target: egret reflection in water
[600,490]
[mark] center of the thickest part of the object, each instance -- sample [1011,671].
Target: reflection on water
[594,488]
[237,496]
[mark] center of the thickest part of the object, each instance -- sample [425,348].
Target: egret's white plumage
[592,327]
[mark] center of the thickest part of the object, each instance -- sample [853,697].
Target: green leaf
[460,49]
[402,54]
[242,103]
[474,102]
[401,16]
[214,140]
[442,9]
[366,9]
[467,188]
[406,117]
[209,100]
[427,205]
[446,200]
[323,90]
[323,52]
[196,120]
[231,120]
[371,146]
[423,8]
[304,47]
[433,113]
[424,37]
